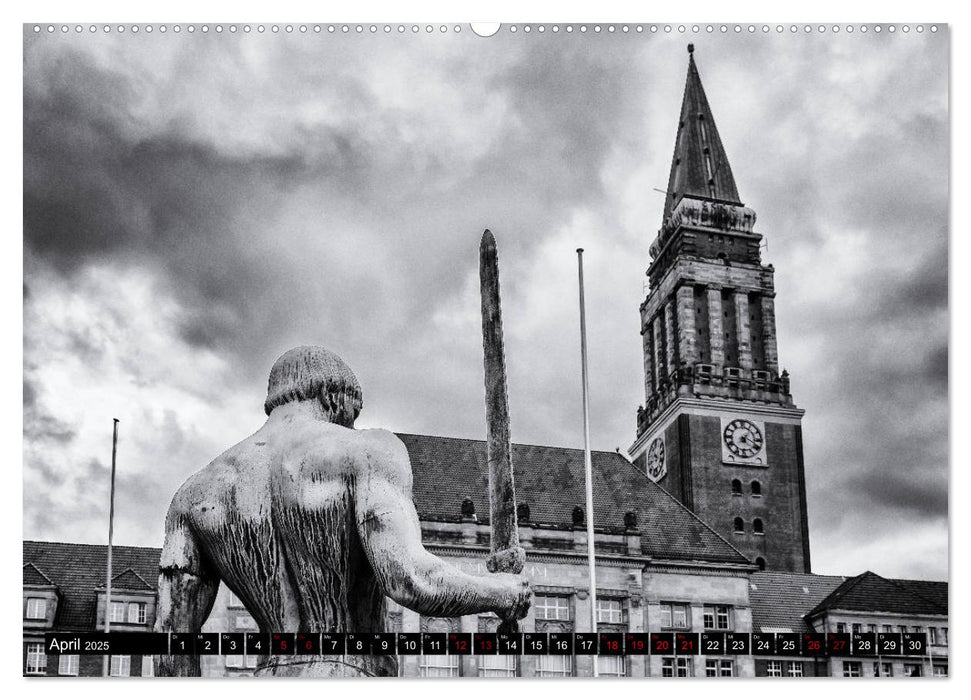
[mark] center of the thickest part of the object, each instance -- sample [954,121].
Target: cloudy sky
[194,205]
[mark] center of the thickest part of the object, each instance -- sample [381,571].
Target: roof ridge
[88,544]
[678,503]
[838,592]
[517,444]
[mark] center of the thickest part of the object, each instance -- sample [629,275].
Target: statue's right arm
[390,532]
[186,590]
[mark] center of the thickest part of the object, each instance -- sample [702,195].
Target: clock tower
[719,429]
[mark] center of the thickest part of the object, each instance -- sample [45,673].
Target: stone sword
[506,554]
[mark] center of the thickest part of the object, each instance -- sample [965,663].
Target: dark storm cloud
[97,189]
[40,425]
[284,191]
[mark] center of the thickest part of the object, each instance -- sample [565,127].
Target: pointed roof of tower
[700,166]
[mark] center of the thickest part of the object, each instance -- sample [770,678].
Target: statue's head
[312,372]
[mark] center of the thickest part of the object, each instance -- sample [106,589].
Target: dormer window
[136,613]
[116,612]
[36,609]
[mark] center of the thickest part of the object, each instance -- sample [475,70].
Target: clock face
[655,460]
[743,438]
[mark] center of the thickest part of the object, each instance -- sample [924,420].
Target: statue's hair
[313,372]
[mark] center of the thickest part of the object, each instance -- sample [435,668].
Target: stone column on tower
[649,385]
[768,334]
[743,329]
[716,337]
[659,373]
[671,349]
[687,329]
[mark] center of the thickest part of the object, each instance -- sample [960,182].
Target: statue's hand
[514,598]
[509,561]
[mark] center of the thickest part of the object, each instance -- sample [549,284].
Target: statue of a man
[311,524]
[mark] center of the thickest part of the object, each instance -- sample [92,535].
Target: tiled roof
[779,599]
[934,591]
[35,577]
[550,481]
[129,580]
[78,571]
[870,592]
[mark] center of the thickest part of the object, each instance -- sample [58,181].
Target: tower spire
[700,166]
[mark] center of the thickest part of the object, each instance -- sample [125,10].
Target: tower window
[739,525]
[761,562]
[736,487]
[757,527]
[756,488]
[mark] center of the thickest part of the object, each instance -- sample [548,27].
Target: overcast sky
[195,205]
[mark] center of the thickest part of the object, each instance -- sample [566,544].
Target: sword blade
[502,492]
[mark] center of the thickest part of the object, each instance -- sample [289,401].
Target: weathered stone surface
[311,523]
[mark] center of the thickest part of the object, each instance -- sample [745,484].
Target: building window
[794,669]
[888,628]
[609,610]
[245,622]
[36,609]
[719,668]
[551,607]
[554,666]
[676,667]
[913,670]
[857,628]
[852,669]
[36,660]
[872,629]
[116,612]
[674,615]
[121,666]
[942,637]
[67,665]
[756,489]
[918,629]
[757,527]
[148,666]
[774,669]
[439,666]
[497,666]
[615,666]
[883,669]
[739,525]
[840,627]
[761,562]
[136,613]
[736,487]
[940,670]
[932,635]
[718,617]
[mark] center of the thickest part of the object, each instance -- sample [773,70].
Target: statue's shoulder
[385,451]
[205,483]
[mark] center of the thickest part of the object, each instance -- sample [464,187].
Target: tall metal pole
[111,535]
[588,462]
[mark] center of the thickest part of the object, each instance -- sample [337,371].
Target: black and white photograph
[524,350]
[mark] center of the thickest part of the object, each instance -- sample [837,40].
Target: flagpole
[588,462]
[111,535]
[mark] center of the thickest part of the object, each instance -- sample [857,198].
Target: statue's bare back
[311,524]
